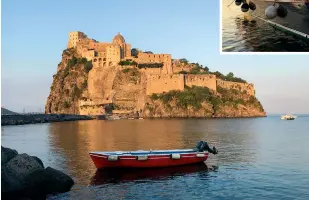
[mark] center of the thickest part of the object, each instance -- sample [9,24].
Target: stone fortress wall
[164,83]
[248,87]
[106,56]
[166,59]
[207,80]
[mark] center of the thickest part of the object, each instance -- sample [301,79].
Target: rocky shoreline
[24,177]
[40,118]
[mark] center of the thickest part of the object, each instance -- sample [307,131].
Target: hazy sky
[34,34]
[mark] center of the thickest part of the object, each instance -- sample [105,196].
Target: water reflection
[268,38]
[70,142]
[126,175]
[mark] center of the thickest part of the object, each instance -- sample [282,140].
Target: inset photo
[264,26]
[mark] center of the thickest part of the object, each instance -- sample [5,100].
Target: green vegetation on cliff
[132,74]
[150,65]
[235,98]
[200,69]
[129,62]
[228,77]
[191,96]
[69,83]
[195,99]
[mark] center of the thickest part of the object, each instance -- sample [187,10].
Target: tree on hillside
[230,76]
[183,60]
[219,75]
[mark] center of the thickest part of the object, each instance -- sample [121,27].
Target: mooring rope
[231,3]
[275,25]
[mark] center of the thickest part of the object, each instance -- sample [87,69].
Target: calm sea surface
[262,158]
[239,35]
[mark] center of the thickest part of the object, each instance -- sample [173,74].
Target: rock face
[7,154]
[70,83]
[47,181]
[129,90]
[24,176]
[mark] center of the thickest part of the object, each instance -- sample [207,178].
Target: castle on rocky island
[158,73]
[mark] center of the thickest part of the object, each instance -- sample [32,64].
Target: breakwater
[40,118]
[25,177]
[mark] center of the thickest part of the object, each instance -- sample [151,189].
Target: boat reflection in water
[105,176]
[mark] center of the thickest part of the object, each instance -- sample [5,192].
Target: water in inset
[242,32]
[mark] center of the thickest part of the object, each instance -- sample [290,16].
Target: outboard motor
[199,147]
[203,146]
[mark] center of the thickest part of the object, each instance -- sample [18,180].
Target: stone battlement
[203,80]
[165,83]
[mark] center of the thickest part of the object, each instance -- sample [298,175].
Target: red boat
[152,159]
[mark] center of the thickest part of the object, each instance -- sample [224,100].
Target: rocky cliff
[70,84]
[202,102]
[79,87]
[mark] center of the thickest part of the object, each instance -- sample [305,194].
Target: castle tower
[74,38]
[125,49]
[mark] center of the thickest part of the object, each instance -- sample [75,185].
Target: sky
[35,32]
